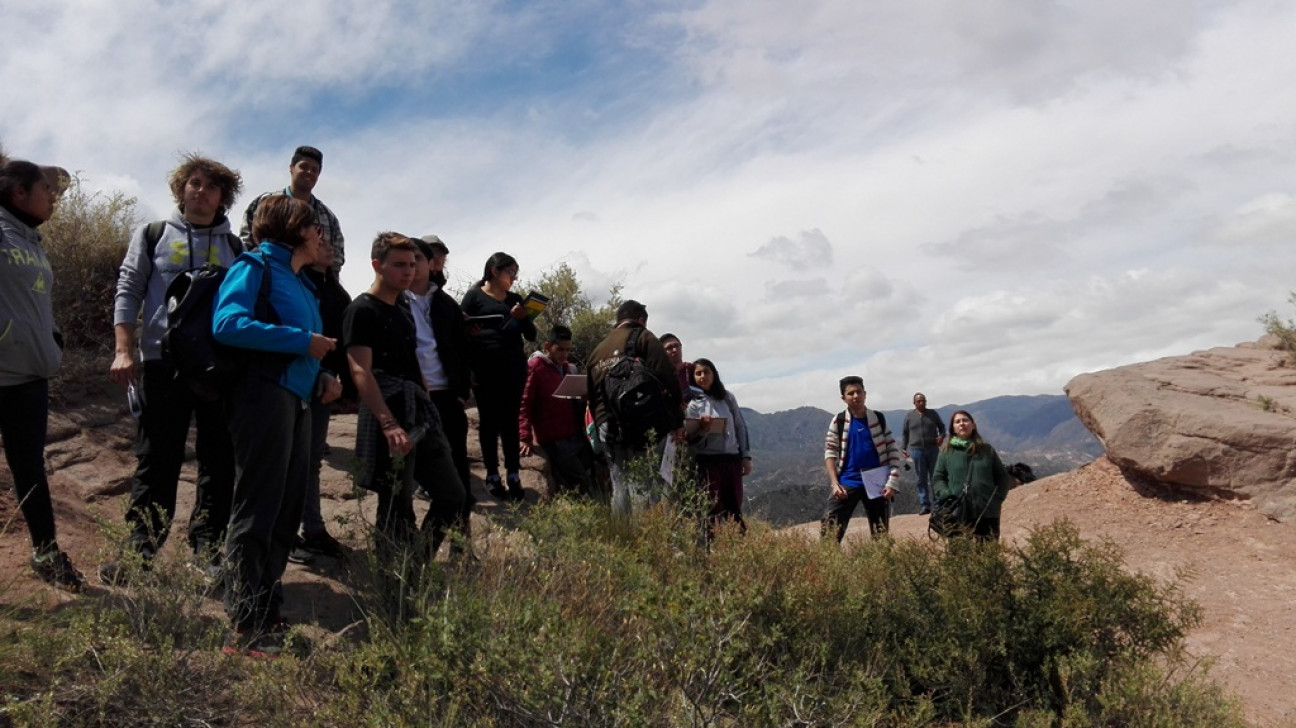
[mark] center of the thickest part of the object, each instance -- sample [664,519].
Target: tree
[571,307]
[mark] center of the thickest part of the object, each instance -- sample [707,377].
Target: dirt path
[1242,566]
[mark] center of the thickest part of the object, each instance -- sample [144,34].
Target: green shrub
[577,619]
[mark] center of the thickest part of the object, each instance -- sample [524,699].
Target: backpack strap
[632,343]
[153,234]
[839,422]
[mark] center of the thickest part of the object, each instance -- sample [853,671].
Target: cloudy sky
[968,198]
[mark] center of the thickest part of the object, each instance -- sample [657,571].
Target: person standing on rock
[398,426]
[443,355]
[862,461]
[268,408]
[625,437]
[920,440]
[969,467]
[197,232]
[303,171]
[683,369]
[31,351]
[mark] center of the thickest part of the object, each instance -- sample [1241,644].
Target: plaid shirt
[410,405]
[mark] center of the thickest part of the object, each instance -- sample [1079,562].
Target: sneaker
[299,553]
[515,490]
[496,488]
[422,493]
[56,569]
[321,543]
[925,510]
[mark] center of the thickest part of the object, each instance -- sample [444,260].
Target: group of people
[410,356]
[863,465]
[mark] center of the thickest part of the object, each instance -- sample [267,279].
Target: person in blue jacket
[268,408]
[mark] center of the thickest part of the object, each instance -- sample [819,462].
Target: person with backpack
[635,399]
[31,351]
[499,369]
[862,461]
[722,454]
[268,407]
[970,483]
[556,424]
[197,233]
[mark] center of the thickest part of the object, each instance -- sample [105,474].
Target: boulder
[1220,422]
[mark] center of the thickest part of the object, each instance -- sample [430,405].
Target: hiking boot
[496,488]
[56,569]
[321,543]
[422,493]
[515,491]
[299,553]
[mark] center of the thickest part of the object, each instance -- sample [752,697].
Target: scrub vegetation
[576,619]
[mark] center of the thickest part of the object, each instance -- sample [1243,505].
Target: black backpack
[635,399]
[188,345]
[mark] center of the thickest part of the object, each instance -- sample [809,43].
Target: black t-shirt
[388,330]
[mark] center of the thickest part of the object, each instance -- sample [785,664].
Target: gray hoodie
[28,350]
[142,284]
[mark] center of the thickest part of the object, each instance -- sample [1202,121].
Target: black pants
[24,415]
[432,466]
[499,396]
[160,437]
[454,423]
[572,461]
[838,513]
[271,431]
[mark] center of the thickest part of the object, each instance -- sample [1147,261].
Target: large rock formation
[1222,421]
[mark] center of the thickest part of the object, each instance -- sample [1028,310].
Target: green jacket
[988,485]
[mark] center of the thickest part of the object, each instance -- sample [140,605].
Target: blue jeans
[924,460]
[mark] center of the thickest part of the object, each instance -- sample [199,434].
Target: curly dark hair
[228,180]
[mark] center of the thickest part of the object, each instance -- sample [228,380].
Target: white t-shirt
[425,339]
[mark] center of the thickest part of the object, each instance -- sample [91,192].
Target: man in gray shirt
[923,434]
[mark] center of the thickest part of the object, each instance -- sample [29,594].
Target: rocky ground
[1239,563]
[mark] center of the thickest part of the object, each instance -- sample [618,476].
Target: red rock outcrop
[1220,421]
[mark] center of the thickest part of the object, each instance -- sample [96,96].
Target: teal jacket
[987,487]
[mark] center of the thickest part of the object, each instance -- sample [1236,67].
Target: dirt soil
[1241,566]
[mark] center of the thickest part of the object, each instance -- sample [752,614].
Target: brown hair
[974,442]
[228,180]
[388,241]
[282,218]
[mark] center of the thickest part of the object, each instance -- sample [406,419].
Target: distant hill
[789,484]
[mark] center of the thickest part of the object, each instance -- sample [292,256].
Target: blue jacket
[293,299]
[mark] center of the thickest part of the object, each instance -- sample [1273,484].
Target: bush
[571,307]
[590,624]
[86,241]
[1284,330]
[577,619]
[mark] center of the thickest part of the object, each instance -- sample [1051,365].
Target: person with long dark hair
[722,454]
[268,409]
[499,369]
[970,467]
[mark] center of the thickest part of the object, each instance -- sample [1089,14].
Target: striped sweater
[888,453]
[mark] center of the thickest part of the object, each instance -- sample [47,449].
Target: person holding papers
[862,461]
[555,423]
[717,438]
[499,368]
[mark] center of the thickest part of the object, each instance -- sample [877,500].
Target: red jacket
[542,416]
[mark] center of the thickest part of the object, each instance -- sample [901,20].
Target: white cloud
[969,199]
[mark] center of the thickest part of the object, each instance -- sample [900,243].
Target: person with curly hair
[196,233]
